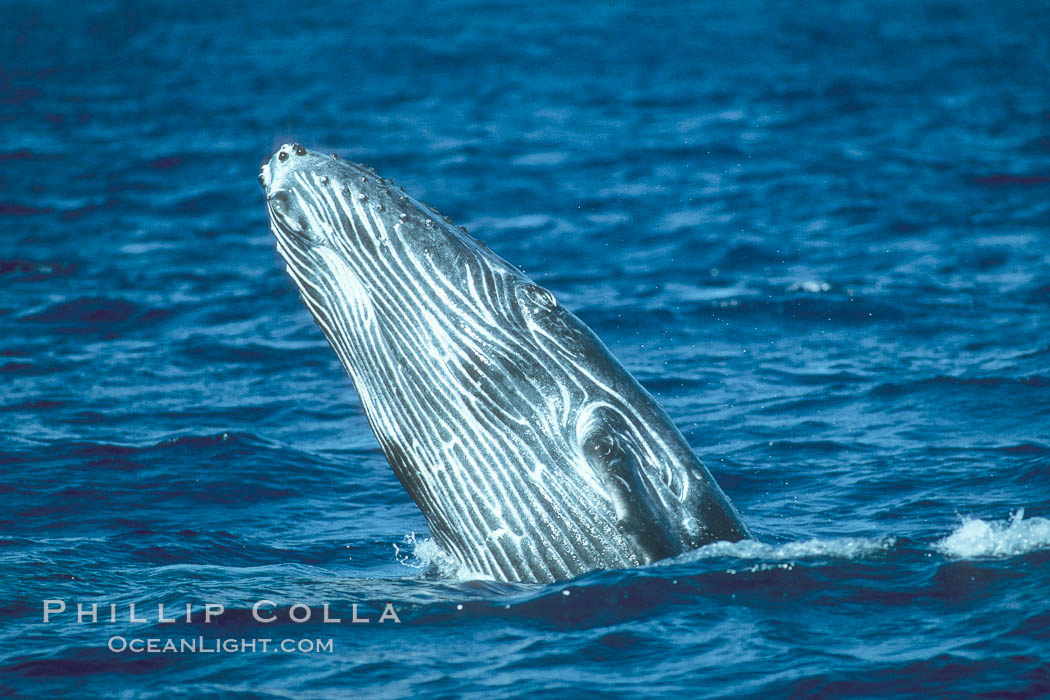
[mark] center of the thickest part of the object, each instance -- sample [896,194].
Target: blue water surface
[818,233]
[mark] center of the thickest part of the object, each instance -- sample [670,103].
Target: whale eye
[603,446]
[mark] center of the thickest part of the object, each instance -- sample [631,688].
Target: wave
[893,389]
[974,538]
[86,315]
[431,561]
[996,538]
[832,548]
[33,270]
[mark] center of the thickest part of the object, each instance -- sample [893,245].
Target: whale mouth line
[282,225]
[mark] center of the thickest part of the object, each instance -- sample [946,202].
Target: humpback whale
[531,451]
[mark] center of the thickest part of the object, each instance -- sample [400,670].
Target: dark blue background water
[817,232]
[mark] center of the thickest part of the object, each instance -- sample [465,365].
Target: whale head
[348,235]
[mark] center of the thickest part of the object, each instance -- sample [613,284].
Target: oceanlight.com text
[218,645]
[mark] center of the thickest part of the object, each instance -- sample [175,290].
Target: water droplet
[364,179]
[335,156]
[362,197]
[380,207]
[324,180]
[428,223]
[403,217]
[464,229]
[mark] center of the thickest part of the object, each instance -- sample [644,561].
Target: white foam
[811,286]
[834,548]
[996,538]
[426,556]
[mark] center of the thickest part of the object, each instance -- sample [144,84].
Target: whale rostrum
[533,454]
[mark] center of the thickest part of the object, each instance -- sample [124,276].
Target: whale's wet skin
[533,454]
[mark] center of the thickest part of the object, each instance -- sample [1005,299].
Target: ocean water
[818,233]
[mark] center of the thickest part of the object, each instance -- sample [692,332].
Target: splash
[1006,538]
[432,561]
[836,548]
